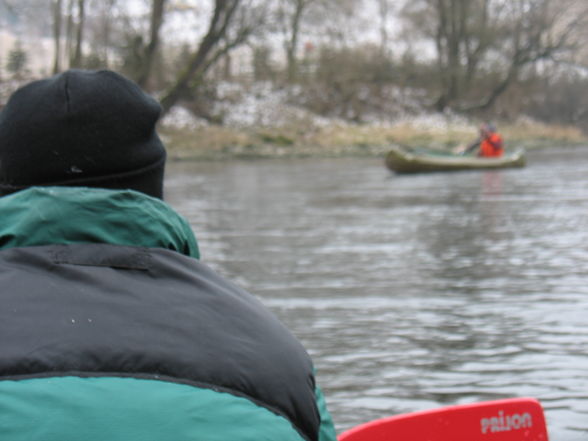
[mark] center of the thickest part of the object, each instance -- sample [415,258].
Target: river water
[412,292]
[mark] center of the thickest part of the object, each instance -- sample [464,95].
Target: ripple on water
[412,292]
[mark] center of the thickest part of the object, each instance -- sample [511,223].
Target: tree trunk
[157,17]
[292,43]
[77,56]
[460,41]
[384,9]
[106,30]
[227,70]
[69,32]
[198,63]
[57,35]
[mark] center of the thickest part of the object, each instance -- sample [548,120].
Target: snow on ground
[181,118]
[258,105]
[262,104]
[435,121]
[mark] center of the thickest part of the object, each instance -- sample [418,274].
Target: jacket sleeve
[327,428]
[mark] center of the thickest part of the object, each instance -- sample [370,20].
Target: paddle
[513,419]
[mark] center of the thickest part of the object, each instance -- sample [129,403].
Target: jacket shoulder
[170,315]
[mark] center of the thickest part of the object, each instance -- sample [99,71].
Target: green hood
[73,215]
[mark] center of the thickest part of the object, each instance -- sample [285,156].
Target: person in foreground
[110,327]
[489,144]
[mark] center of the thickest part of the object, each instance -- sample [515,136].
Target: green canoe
[403,159]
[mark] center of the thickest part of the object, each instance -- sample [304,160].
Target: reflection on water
[412,292]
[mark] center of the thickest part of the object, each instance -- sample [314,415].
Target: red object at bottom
[513,419]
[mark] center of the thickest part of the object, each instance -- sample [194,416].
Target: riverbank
[210,142]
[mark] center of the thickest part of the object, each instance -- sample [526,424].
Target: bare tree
[296,17]
[231,24]
[539,30]
[477,39]
[462,31]
[291,12]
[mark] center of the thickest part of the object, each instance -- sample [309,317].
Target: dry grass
[543,134]
[215,142]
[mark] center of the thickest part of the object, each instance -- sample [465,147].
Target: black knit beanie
[81,128]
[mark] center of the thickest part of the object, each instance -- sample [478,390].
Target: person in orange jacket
[489,144]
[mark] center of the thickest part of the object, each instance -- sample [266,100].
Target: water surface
[412,292]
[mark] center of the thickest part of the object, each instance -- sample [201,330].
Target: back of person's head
[488,128]
[81,128]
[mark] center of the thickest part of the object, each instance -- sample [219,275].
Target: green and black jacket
[112,330]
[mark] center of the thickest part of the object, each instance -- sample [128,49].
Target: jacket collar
[65,215]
